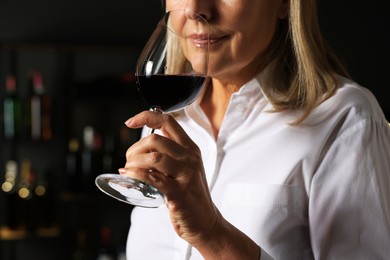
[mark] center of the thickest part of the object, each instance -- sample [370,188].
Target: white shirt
[318,191]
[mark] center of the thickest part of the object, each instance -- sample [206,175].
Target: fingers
[161,153]
[165,123]
[164,183]
[173,157]
[154,161]
[168,161]
[154,168]
[157,145]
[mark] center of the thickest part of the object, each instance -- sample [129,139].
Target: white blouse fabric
[317,191]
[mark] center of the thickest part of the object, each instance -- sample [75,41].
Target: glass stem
[157,110]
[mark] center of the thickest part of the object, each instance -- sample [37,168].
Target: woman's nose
[199,8]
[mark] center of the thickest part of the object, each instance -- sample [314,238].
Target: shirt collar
[251,89]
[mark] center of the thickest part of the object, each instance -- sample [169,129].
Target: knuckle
[153,138]
[128,153]
[155,157]
[169,119]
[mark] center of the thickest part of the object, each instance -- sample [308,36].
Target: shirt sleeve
[349,207]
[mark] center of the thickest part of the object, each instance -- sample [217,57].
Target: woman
[281,157]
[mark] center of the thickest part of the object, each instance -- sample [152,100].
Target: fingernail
[128,121]
[122,170]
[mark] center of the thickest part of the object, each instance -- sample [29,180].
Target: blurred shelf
[7,233]
[11,234]
[90,86]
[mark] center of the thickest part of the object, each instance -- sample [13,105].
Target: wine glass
[170,73]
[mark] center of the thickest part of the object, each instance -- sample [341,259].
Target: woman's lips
[202,40]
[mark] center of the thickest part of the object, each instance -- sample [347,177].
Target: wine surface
[169,92]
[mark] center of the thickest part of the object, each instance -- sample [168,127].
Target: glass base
[130,191]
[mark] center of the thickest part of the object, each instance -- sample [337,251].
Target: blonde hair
[176,60]
[301,70]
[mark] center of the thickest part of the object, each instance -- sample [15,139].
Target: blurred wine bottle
[40,102]
[80,251]
[42,207]
[91,158]
[26,192]
[108,160]
[27,180]
[9,186]
[73,166]
[11,109]
[105,251]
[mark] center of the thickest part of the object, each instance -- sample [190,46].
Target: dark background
[358,31]
[82,48]
[74,43]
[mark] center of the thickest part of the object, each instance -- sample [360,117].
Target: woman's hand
[173,164]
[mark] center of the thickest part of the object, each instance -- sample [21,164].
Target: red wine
[169,92]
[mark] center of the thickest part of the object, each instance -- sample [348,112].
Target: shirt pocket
[266,212]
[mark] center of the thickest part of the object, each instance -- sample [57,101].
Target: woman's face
[241,31]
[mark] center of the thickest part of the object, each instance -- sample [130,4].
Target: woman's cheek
[174,4]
